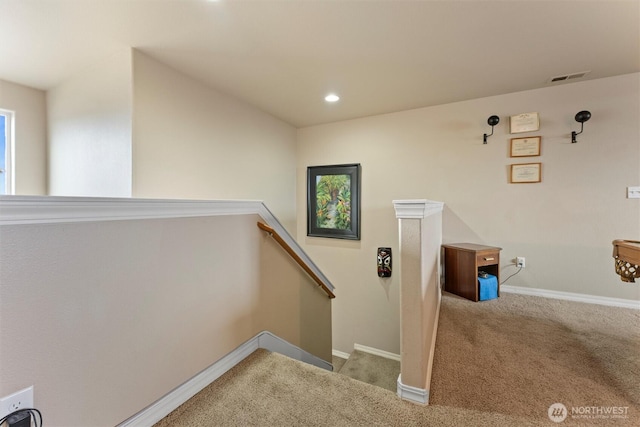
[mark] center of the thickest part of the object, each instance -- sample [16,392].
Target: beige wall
[291,303]
[128,310]
[563,226]
[192,142]
[30,166]
[89,118]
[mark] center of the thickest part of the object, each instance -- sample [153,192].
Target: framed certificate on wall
[524,173]
[525,147]
[525,122]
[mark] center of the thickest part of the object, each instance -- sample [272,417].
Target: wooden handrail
[295,256]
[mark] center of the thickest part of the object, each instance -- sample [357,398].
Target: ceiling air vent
[568,77]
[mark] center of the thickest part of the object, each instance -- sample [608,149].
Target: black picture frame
[333,201]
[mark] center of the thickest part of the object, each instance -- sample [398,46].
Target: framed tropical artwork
[333,201]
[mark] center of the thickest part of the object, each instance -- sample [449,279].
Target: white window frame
[9,151]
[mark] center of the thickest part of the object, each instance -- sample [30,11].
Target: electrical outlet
[19,400]
[520,261]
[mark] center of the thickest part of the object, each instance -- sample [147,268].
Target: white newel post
[420,231]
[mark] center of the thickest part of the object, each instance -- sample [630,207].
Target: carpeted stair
[503,362]
[268,389]
[369,368]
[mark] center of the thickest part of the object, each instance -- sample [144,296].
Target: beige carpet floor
[518,355]
[498,363]
[268,389]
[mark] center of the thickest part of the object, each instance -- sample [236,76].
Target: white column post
[420,231]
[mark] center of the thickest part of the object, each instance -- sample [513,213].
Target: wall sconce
[491,121]
[581,117]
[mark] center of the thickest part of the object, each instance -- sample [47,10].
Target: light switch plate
[633,192]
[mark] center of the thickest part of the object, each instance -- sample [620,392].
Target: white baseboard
[376,352]
[275,344]
[265,339]
[412,394]
[340,354]
[569,296]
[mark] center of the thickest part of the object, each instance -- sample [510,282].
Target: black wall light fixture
[491,121]
[581,117]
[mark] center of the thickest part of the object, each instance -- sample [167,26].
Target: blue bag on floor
[488,287]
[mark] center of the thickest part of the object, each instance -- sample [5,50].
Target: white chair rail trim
[48,210]
[16,210]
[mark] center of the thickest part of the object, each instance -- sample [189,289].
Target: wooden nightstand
[462,261]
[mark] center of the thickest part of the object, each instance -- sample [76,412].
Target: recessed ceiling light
[332,97]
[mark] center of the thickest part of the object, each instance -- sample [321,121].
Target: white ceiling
[285,56]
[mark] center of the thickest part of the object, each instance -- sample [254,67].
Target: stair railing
[295,257]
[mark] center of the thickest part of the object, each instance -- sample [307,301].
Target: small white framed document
[525,147]
[525,122]
[524,173]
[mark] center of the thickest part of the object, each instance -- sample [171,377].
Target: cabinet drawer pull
[489,258]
